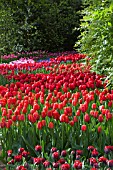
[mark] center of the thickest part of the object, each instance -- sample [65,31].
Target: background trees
[96,36]
[38,24]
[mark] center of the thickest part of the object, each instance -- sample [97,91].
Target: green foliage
[42,24]
[7,31]
[96,36]
[3,80]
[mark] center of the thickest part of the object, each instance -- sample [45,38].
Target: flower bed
[59,103]
[63,160]
[35,55]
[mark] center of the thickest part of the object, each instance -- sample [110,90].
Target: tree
[42,24]
[7,30]
[96,36]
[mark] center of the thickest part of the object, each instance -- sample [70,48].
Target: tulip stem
[62,135]
[52,133]
[40,137]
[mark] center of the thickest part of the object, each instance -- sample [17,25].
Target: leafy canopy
[96,39]
[31,25]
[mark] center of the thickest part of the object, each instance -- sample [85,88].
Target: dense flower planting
[22,61]
[35,55]
[60,104]
[62,160]
[41,55]
[10,56]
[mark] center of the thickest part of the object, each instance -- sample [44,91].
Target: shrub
[96,32]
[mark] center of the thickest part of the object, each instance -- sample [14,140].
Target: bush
[96,32]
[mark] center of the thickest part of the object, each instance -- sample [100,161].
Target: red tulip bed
[56,115]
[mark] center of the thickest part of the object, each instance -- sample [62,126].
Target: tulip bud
[86,117]
[55,155]
[63,153]
[99,129]
[83,127]
[38,148]
[51,125]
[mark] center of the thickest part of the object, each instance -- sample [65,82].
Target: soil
[2,166]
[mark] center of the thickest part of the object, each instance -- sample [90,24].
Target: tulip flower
[55,164]
[63,153]
[38,148]
[65,166]
[51,125]
[110,163]
[86,117]
[55,155]
[36,161]
[94,153]
[9,153]
[83,127]
[46,164]
[77,164]
[18,158]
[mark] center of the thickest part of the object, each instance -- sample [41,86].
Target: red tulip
[64,118]
[21,117]
[55,155]
[36,115]
[61,160]
[92,161]
[83,127]
[25,154]
[20,150]
[18,158]
[77,164]
[56,115]
[20,168]
[36,161]
[110,103]
[86,117]
[43,122]
[107,149]
[9,153]
[108,116]
[100,118]
[53,149]
[72,122]
[63,153]
[93,169]
[43,114]
[36,107]
[103,159]
[46,164]
[55,164]
[79,152]
[99,129]
[38,148]
[94,106]
[65,166]
[51,125]
[94,153]
[78,113]
[39,125]
[91,148]
[110,163]
[60,106]
[31,118]
[55,106]
[75,119]
[9,123]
